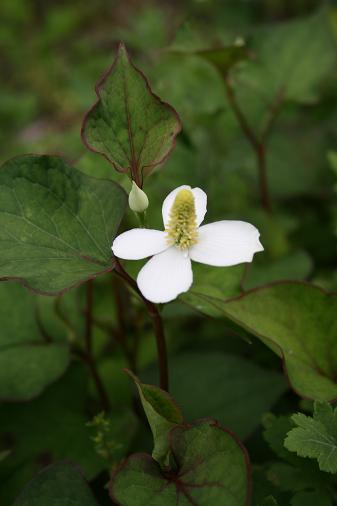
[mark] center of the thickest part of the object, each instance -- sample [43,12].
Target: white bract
[169,272]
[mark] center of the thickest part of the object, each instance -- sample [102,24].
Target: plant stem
[89,316]
[157,325]
[263,179]
[87,355]
[141,217]
[257,145]
[121,332]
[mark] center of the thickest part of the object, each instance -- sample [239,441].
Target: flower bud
[138,200]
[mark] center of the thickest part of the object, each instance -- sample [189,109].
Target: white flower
[169,272]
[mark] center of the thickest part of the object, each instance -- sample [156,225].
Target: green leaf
[295,266]
[231,389]
[28,362]
[129,125]
[290,64]
[316,437]
[275,431]
[298,322]
[212,469]
[57,224]
[292,473]
[58,485]
[311,498]
[162,413]
[268,501]
[50,428]
[26,370]
[219,283]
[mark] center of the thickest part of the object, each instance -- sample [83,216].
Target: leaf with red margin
[56,224]
[298,322]
[129,125]
[212,469]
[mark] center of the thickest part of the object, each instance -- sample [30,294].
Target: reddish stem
[87,355]
[257,145]
[157,323]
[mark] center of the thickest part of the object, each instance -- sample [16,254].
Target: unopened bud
[138,200]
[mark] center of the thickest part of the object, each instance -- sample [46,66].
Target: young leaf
[129,125]
[57,485]
[57,224]
[212,469]
[162,413]
[298,322]
[28,363]
[316,437]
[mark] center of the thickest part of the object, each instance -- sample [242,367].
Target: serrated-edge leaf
[312,437]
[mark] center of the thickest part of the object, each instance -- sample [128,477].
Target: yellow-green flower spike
[182,230]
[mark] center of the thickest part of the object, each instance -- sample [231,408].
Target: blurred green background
[51,55]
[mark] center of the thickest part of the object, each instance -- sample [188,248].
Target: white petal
[165,276]
[139,243]
[200,200]
[226,243]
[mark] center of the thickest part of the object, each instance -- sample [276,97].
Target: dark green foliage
[254,84]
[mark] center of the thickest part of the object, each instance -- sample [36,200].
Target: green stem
[141,217]
[157,323]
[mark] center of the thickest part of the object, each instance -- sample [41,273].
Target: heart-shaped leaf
[298,322]
[58,485]
[28,362]
[212,470]
[130,125]
[56,224]
[162,413]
